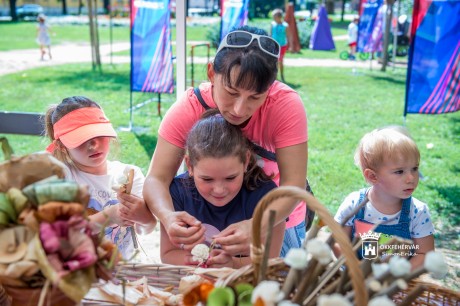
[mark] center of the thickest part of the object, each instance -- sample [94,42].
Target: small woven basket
[276,268]
[429,294]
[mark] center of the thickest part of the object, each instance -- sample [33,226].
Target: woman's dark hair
[212,136]
[258,70]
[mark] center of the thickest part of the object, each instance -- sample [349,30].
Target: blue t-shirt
[186,197]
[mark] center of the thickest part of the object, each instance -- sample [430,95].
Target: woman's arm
[292,164]
[181,227]
[423,246]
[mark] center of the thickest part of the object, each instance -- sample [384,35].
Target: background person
[43,36]
[279,32]
[80,135]
[222,186]
[270,114]
[353,37]
[389,160]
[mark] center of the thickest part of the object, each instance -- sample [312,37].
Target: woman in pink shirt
[271,115]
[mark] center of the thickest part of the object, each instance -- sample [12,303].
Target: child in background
[389,160]
[279,32]
[222,187]
[353,37]
[43,36]
[81,135]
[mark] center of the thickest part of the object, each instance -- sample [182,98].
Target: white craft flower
[320,250]
[269,292]
[296,258]
[399,266]
[120,179]
[333,300]
[381,301]
[435,264]
[200,253]
[379,269]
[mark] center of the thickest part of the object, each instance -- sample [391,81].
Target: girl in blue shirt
[221,188]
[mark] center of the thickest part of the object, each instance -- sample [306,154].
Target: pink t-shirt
[280,122]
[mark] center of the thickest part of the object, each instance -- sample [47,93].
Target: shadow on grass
[451,210]
[455,126]
[88,79]
[394,79]
[148,142]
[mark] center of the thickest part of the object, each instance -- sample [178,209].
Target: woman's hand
[236,238]
[184,230]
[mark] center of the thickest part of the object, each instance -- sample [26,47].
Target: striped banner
[151,54]
[370,27]
[234,15]
[433,74]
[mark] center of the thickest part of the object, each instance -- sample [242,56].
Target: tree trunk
[342,15]
[330,7]
[386,33]
[92,34]
[14,17]
[64,7]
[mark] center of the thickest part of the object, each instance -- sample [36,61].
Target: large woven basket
[162,276]
[276,268]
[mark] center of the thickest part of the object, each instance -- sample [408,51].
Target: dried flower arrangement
[311,276]
[46,239]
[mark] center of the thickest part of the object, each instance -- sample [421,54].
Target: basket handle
[352,262]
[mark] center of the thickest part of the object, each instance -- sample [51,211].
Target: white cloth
[43,37]
[102,196]
[420,224]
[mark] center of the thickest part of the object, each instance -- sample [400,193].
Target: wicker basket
[20,296]
[276,268]
[162,276]
[429,294]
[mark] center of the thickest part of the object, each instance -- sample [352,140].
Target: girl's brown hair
[212,136]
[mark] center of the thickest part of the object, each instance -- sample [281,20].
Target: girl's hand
[236,238]
[134,209]
[219,259]
[184,230]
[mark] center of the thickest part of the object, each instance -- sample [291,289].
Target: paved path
[20,60]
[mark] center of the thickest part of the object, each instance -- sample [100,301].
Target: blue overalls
[401,229]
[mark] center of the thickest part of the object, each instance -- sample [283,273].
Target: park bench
[19,123]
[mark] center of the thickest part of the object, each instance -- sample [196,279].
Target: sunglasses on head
[242,39]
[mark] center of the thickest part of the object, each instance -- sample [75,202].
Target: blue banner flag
[234,15]
[433,73]
[151,54]
[368,34]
